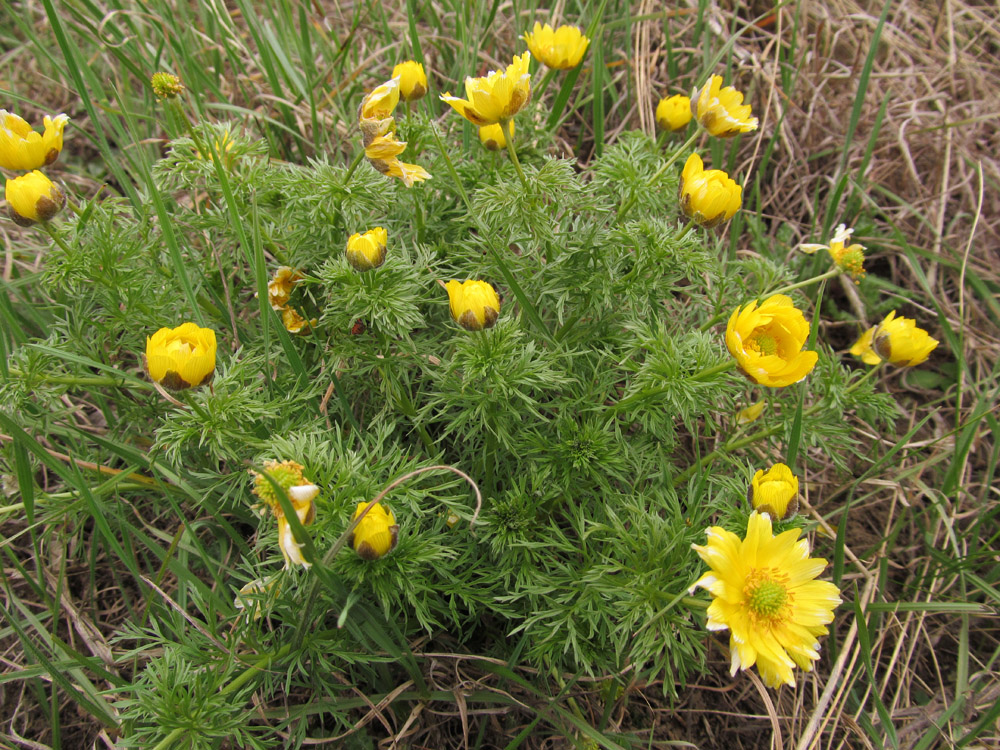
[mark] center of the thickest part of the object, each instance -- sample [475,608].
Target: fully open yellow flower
[22,148]
[901,342]
[721,111]
[863,348]
[562,48]
[764,591]
[710,197]
[674,113]
[767,342]
[33,197]
[377,533]
[474,305]
[367,251]
[412,80]
[493,137]
[182,357]
[775,492]
[495,97]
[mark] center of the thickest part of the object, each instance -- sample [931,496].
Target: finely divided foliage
[327,448]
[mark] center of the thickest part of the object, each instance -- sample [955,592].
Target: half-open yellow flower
[496,97]
[901,342]
[562,48]
[764,591]
[767,341]
[412,80]
[22,148]
[721,111]
[377,533]
[492,136]
[182,357]
[33,197]
[673,113]
[474,305]
[775,492]
[710,197]
[367,251]
[863,348]
[380,103]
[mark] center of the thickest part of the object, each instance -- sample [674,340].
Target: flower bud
[377,533]
[492,136]
[474,305]
[182,357]
[674,113]
[367,251]
[22,148]
[412,80]
[166,85]
[751,413]
[709,197]
[775,492]
[33,197]
[901,342]
[380,103]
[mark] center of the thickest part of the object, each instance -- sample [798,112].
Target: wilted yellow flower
[710,197]
[721,111]
[182,357]
[674,113]
[300,492]
[492,136]
[751,413]
[166,85]
[767,342]
[22,148]
[377,533]
[279,288]
[775,492]
[764,591]
[863,348]
[294,322]
[561,49]
[899,341]
[33,197]
[850,258]
[380,103]
[474,305]
[495,97]
[367,251]
[412,80]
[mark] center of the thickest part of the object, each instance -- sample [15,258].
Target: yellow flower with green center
[673,113]
[775,492]
[767,341]
[764,592]
[495,97]
[901,342]
[166,85]
[367,251]
[710,197]
[22,148]
[561,48]
[32,198]
[376,534]
[300,492]
[474,305]
[721,111]
[182,357]
[863,348]
[412,80]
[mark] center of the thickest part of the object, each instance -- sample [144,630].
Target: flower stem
[509,137]
[354,165]
[798,285]
[44,226]
[627,205]
[686,228]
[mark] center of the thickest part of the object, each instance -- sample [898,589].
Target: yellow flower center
[765,344]
[766,593]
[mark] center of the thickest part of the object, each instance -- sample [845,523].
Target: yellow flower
[674,113]
[279,288]
[474,304]
[775,492]
[33,197]
[412,80]
[377,533]
[380,103]
[495,97]
[901,342]
[849,258]
[24,149]
[367,251]
[709,197]
[182,357]
[751,413]
[863,348]
[767,342]
[764,591]
[561,49]
[294,322]
[492,136]
[300,491]
[166,85]
[721,111]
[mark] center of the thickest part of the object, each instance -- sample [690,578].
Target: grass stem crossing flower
[377,533]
